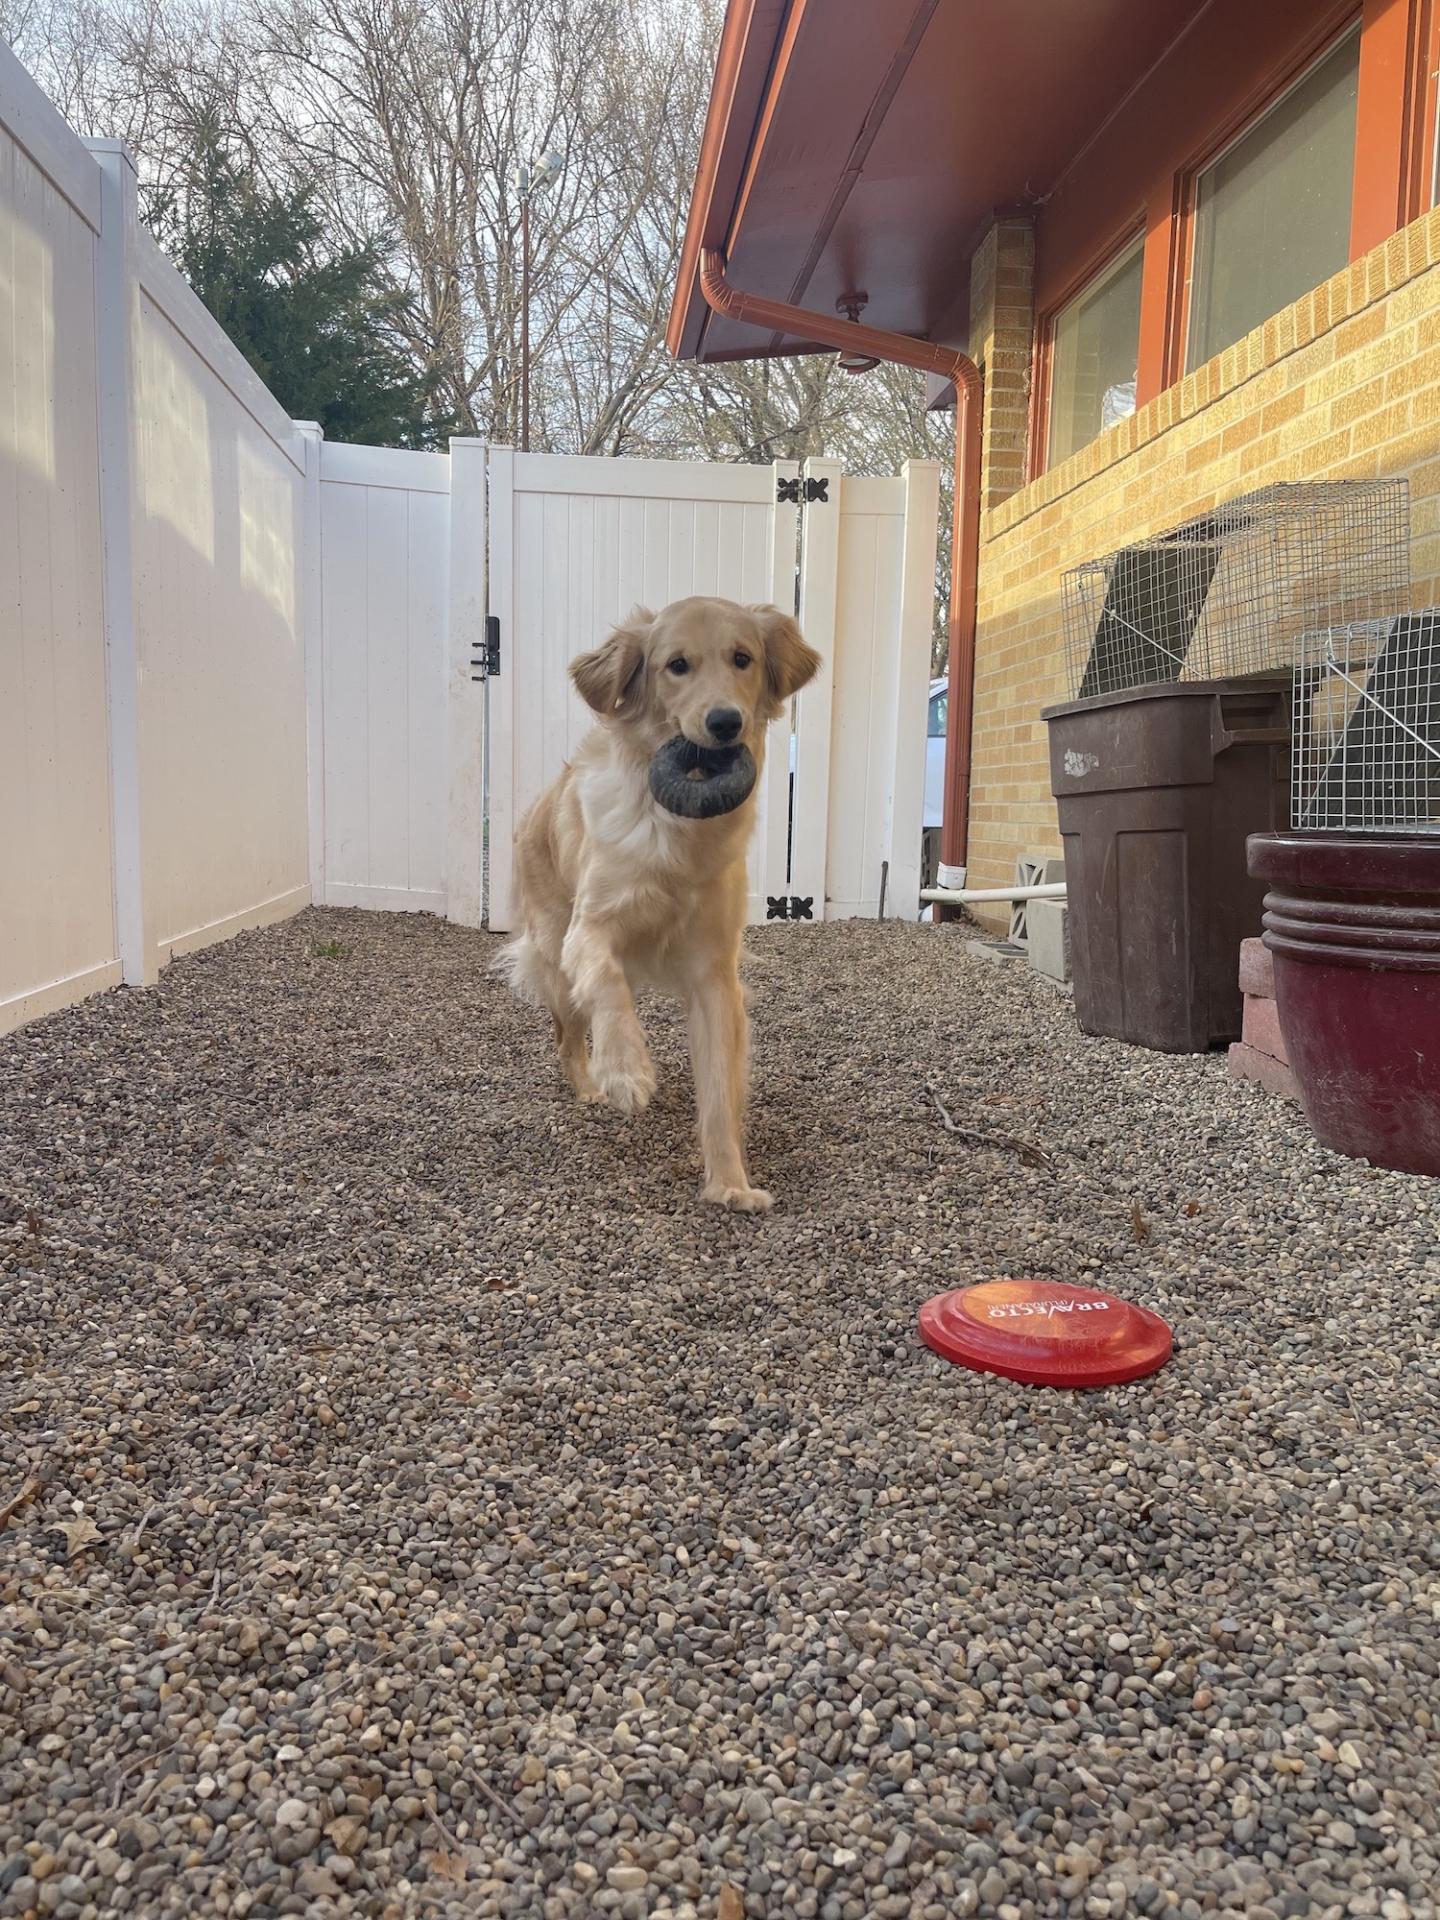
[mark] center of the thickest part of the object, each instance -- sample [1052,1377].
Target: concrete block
[1033,870]
[1262,1028]
[1248,1063]
[1257,970]
[1049,938]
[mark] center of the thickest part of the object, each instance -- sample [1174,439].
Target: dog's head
[713,671]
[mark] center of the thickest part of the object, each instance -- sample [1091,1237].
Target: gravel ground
[417,1503]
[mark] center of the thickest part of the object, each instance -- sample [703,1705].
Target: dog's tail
[520,966]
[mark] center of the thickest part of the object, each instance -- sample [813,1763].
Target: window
[938,704]
[1272,214]
[1094,349]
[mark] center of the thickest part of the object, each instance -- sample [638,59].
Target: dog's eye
[678,667]
[742,659]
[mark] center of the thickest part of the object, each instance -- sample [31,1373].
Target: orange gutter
[742,68]
[851,336]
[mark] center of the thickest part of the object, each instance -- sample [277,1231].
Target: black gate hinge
[789,492]
[486,665]
[794,907]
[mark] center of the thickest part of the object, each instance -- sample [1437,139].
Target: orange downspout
[851,336]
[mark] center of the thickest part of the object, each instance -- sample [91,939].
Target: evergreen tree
[314,322]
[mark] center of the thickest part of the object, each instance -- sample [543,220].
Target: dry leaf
[1138,1223]
[446,1866]
[79,1532]
[732,1903]
[1192,1207]
[27,1493]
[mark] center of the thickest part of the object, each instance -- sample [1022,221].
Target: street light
[530,179]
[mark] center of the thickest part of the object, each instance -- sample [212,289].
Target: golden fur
[617,894]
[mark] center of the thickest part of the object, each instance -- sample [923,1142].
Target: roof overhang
[854,147]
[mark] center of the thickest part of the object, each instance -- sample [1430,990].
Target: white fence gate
[574,544]
[546,553]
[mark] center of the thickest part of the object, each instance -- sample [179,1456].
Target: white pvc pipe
[962,897]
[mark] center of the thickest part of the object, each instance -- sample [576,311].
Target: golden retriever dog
[617,893]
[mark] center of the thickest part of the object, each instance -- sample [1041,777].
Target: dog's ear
[611,678]
[789,663]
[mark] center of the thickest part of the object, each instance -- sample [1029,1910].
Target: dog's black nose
[723,724]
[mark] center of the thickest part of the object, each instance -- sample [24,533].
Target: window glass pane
[938,704]
[1094,350]
[1272,216]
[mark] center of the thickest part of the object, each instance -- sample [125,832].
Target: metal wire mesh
[1366,749]
[1231,592]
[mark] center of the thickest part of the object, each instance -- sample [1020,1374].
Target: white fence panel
[819,585]
[385,536]
[884,593]
[218,483]
[575,543]
[57,910]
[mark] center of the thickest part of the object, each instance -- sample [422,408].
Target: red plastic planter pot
[1353,926]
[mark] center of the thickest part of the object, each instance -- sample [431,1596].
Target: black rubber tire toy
[701,783]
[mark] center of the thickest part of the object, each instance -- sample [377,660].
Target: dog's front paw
[738,1199]
[627,1087]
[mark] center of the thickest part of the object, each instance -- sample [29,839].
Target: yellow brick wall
[1345,384]
[1002,326]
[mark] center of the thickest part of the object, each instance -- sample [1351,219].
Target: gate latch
[486,665]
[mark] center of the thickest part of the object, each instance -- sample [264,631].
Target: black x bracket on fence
[789,491]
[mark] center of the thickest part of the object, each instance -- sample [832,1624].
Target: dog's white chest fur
[640,862]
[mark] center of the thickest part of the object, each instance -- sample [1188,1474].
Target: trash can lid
[1045,1333]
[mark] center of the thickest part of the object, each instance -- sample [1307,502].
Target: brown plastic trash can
[1158,789]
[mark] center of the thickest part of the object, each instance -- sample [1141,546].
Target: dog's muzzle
[701,783]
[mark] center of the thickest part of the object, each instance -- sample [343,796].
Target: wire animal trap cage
[1230,593]
[1366,750]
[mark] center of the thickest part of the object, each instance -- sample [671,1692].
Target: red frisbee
[1046,1334]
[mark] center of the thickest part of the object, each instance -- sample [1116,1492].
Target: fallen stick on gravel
[1027,1150]
[136,1764]
[493,1797]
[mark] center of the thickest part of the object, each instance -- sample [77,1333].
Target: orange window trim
[1423,160]
[1395,156]
[1042,370]
[1393,108]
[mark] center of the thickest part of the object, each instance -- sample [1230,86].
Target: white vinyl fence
[57,915]
[218,516]
[384,558]
[241,669]
[546,553]
[574,545]
[152,672]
